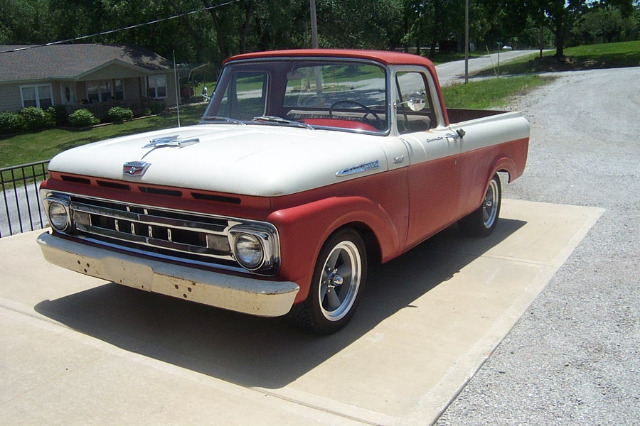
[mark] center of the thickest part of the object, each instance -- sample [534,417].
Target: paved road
[574,357]
[453,72]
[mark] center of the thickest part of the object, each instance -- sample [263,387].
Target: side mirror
[417,101]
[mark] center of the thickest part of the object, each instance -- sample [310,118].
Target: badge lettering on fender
[359,169]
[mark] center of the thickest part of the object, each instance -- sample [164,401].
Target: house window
[118,90]
[157,86]
[105,90]
[36,96]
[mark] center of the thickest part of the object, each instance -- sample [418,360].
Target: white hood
[259,160]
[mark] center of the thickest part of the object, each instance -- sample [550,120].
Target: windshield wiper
[224,119]
[280,120]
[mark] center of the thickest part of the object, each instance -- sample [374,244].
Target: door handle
[453,136]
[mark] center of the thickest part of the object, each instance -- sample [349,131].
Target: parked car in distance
[307,166]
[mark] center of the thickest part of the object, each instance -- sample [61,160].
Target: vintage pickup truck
[307,166]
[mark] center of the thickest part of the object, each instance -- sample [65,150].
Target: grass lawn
[593,56]
[490,93]
[43,145]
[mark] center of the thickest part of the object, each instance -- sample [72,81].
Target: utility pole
[466,41]
[314,24]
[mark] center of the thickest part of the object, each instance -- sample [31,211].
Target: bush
[36,119]
[59,112]
[11,123]
[156,107]
[82,118]
[120,114]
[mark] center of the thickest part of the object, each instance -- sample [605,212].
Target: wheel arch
[371,242]
[305,229]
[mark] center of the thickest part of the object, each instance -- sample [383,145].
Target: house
[91,76]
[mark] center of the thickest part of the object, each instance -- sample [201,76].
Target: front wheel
[338,281]
[482,221]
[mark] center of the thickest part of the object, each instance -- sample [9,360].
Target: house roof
[72,61]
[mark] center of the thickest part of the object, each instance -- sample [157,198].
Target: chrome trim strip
[164,256]
[359,169]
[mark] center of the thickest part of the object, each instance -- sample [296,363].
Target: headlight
[255,247]
[248,250]
[58,215]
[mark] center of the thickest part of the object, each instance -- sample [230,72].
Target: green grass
[594,56]
[490,93]
[35,146]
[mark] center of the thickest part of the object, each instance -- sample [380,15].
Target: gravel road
[574,357]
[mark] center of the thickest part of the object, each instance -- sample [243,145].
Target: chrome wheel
[491,204]
[482,221]
[336,287]
[340,280]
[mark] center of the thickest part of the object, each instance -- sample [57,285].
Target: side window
[414,110]
[245,96]
[36,96]
[157,86]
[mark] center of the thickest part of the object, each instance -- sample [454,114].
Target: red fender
[304,229]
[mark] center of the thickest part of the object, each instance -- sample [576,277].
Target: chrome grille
[156,231]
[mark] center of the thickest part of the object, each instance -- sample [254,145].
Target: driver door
[434,173]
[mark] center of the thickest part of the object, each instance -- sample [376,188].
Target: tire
[482,221]
[337,285]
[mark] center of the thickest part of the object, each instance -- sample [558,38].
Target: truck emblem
[359,169]
[135,168]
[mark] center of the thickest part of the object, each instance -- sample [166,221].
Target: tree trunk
[245,28]
[222,45]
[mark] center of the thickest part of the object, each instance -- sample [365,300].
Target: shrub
[156,108]
[35,118]
[11,123]
[82,118]
[59,112]
[120,114]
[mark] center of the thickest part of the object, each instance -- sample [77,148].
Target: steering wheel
[367,111]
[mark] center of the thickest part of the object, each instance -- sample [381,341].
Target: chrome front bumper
[236,293]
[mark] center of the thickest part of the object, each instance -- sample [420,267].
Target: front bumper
[236,293]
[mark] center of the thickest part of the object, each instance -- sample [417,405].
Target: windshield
[342,95]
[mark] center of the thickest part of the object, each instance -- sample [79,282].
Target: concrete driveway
[79,350]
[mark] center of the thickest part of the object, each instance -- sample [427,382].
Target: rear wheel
[482,221]
[338,282]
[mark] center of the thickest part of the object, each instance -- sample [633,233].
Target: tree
[360,25]
[560,15]
[25,22]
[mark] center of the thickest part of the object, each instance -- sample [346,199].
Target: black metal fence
[22,210]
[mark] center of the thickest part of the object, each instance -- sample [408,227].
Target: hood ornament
[169,141]
[135,168]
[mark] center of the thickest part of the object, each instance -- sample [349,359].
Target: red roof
[387,58]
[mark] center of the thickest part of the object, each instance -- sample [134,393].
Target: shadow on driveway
[260,352]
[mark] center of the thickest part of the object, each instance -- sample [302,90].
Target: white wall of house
[9,97]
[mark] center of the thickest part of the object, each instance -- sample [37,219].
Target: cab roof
[385,57]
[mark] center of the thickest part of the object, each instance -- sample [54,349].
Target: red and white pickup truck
[307,166]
